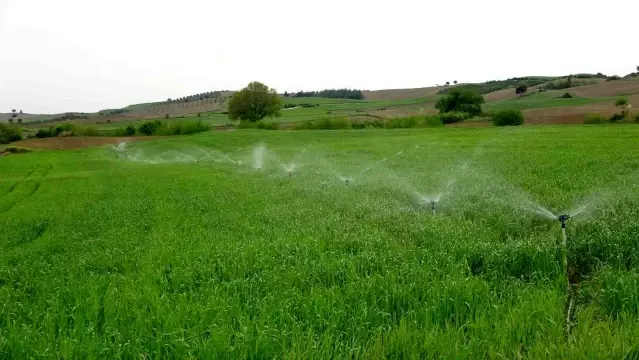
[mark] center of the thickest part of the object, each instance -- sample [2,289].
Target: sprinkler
[433,204]
[290,173]
[563,218]
[346,181]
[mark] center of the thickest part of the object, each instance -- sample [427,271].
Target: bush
[402,123]
[637,119]
[460,100]
[9,133]
[618,116]
[433,120]
[566,95]
[613,78]
[508,117]
[130,130]
[150,127]
[595,119]
[453,117]
[42,133]
[265,125]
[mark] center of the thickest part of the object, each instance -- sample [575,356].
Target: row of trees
[196,97]
[354,94]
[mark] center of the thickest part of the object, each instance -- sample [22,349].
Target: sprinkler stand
[563,219]
[346,181]
[290,174]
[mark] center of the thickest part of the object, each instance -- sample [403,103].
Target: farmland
[203,246]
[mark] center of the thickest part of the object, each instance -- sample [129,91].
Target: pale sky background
[87,55]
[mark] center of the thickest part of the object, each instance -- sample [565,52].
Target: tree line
[354,94]
[196,97]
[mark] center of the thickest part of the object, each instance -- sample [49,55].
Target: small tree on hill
[447,83]
[455,82]
[20,121]
[11,121]
[462,100]
[521,90]
[254,102]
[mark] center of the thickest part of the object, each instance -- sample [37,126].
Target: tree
[20,111]
[20,121]
[11,121]
[254,102]
[455,82]
[460,99]
[168,100]
[285,93]
[447,83]
[521,90]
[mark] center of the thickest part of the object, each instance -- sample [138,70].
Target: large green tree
[461,99]
[254,102]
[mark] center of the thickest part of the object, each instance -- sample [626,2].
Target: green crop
[180,248]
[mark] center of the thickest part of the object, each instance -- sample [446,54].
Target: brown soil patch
[401,94]
[73,142]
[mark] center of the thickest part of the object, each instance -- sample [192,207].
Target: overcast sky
[87,55]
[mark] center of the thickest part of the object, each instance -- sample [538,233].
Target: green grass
[109,258]
[544,99]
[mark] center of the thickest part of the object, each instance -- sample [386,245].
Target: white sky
[86,55]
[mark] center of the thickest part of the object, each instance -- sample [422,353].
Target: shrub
[85,131]
[637,119]
[621,102]
[17,150]
[402,123]
[9,133]
[149,127]
[508,117]
[453,117]
[265,125]
[613,78]
[460,100]
[130,130]
[595,119]
[566,95]
[42,133]
[433,120]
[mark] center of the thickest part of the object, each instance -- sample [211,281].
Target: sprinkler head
[346,181]
[563,218]
[290,173]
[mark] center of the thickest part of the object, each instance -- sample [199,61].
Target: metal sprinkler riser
[563,218]
[433,205]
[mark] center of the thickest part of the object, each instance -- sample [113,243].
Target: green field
[544,100]
[170,249]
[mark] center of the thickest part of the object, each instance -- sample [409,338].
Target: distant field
[204,247]
[543,100]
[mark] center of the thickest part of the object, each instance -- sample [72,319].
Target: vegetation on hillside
[352,94]
[9,133]
[496,85]
[254,102]
[461,99]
